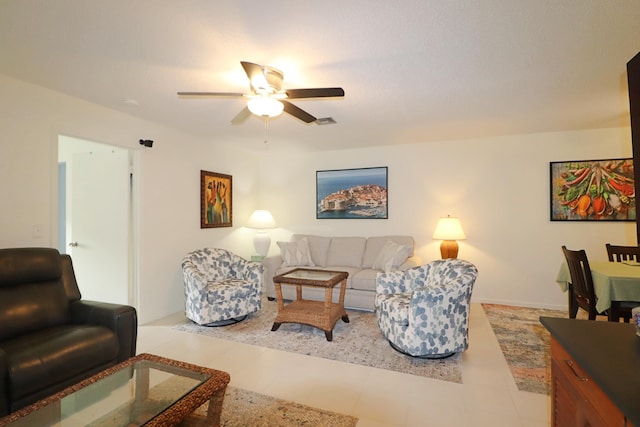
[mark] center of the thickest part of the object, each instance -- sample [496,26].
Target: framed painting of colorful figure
[215,200]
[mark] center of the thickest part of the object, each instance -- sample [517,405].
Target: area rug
[525,342]
[359,342]
[242,408]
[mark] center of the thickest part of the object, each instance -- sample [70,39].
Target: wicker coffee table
[144,390]
[320,314]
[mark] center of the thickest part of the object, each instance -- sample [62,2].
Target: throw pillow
[391,256]
[295,253]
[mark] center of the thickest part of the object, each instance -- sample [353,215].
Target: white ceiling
[412,70]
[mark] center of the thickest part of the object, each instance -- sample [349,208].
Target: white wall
[498,187]
[167,216]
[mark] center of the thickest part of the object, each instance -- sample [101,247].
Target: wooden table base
[319,314]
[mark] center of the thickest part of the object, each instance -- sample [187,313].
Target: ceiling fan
[267,98]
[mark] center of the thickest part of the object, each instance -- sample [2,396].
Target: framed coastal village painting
[593,190]
[215,200]
[352,193]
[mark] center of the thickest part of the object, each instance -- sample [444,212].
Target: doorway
[96,227]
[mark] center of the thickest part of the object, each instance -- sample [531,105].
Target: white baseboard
[521,304]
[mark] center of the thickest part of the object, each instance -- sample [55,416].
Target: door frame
[133,235]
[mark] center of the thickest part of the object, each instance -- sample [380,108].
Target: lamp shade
[449,229]
[265,106]
[261,219]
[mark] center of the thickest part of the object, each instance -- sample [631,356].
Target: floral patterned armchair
[424,311]
[220,287]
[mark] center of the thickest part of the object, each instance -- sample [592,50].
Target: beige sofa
[363,258]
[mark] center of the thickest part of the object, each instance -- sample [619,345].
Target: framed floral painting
[593,190]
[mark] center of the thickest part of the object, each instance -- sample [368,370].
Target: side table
[319,314]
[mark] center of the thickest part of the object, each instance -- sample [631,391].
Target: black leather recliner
[49,337]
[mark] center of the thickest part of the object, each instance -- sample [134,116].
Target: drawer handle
[573,369]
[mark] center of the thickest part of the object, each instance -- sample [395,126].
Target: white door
[100,214]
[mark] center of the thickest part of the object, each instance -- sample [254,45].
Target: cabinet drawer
[585,386]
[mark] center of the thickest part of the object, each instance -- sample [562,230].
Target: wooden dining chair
[618,253]
[582,292]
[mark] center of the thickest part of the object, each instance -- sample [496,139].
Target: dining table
[612,281]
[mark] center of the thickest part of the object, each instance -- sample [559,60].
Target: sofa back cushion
[346,251]
[32,292]
[392,256]
[295,253]
[318,247]
[375,245]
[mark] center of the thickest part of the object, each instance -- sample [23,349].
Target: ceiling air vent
[326,121]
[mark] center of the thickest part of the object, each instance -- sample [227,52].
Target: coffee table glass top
[132,395]
[310,274]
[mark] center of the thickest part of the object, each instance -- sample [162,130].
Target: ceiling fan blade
[324,92]
[298,112]
[256,75]
[210,94]
[241,116]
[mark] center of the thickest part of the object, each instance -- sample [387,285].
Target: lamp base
[261,243]
[449,249]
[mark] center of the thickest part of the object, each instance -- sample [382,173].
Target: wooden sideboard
[595,370]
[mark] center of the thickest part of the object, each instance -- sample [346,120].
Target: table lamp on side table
[261,220]
[449,230]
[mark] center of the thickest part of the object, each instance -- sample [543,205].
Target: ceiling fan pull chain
[266,128]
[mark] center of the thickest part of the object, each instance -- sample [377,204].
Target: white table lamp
[449,230]
[261,220]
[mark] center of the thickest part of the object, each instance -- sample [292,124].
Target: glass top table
[145,390]
[313,277]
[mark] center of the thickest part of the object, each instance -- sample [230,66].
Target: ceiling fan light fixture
[265,106]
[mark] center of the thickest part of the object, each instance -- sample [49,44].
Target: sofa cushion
[32,306]
[391,256]
[365,280]
[346,251]
[318,247]
[295,253]
[50,356]
[375,244]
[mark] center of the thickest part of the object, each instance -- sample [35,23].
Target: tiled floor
[487,396]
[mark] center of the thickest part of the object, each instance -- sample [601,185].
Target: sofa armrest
[271,265]
[121,319]
[410,262]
